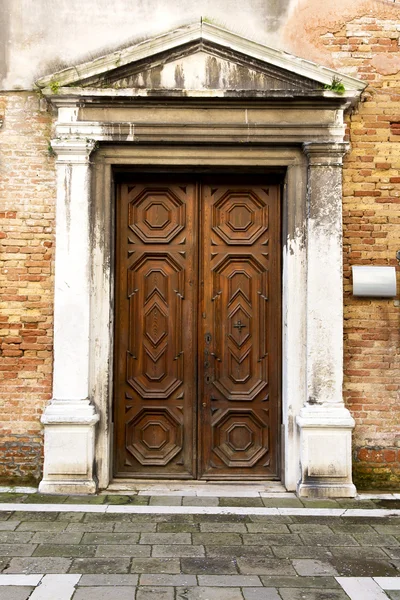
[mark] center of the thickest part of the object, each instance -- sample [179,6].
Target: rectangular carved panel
[240,333]
[155,365]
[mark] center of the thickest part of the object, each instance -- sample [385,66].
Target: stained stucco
[314,19]
[39,39]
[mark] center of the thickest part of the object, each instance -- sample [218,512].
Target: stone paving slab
[178,551]
[38,565]
[15,593]
[123,550]
[209,566]
[261,594]
[239,551]
[68,550]
[160,565]
[108,580]
[313,594]
[65,537]
[17,549]
[207,593]
[158,593]
[100,565]
[105,593]
[265,566]
[229,580]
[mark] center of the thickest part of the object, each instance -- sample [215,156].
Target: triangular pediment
[200,57]
[204,67]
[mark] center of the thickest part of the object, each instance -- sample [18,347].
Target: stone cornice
[79,138]
[79,96]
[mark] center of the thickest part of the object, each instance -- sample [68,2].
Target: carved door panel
[156,296]
[197,331]
[240,332]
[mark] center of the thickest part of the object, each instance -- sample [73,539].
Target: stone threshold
[199,488]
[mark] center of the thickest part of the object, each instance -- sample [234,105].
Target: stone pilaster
[325,424]
[69,420]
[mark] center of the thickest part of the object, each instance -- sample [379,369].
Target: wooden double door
[197,329]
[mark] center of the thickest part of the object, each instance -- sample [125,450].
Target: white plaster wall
[40,37]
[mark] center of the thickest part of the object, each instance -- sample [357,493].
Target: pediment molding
[198,59]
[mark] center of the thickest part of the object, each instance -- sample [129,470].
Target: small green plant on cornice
[54,86]
[96,143]
[50,150]
[38,91]
[211,21]
[336,85]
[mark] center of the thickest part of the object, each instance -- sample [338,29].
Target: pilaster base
[326,490]
[69,427]
[325,452]
[70,488]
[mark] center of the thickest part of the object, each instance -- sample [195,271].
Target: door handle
[207,376]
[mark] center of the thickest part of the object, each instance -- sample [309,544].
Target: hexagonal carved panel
[240,438]
[156,215]
[154,436]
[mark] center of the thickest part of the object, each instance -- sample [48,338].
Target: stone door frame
[293,331]
[316,426]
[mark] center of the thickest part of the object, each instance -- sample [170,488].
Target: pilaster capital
[325,154]
[73,150]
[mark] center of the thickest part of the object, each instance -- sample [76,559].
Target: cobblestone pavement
[320,552]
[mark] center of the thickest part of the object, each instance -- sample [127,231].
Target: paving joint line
[200,510]
[369,588]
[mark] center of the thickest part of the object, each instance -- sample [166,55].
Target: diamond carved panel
[240,438]
[156,324]
[239,325]
[156,215]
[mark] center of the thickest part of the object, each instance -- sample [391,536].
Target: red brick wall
[27,192]
[368,48]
